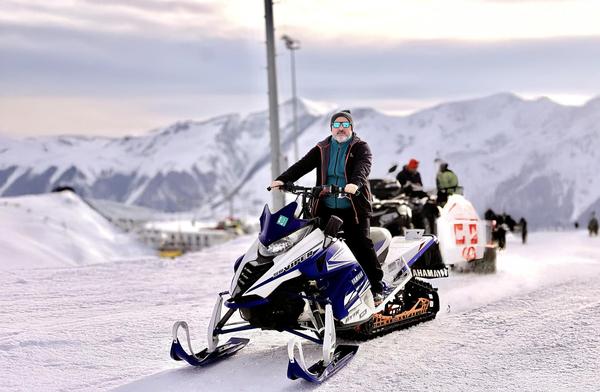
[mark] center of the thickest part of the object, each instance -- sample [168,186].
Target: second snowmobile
[303,279]
[391,209]
[465,240]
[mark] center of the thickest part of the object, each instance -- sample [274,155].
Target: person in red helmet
[410,178]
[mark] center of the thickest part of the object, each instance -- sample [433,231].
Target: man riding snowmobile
[343,160]
[305,277]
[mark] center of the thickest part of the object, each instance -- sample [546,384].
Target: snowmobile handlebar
[317,191]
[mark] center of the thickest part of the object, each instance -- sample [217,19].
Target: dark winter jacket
[406,178]
[446,181]
[523,224]
[358,168]
[490,215]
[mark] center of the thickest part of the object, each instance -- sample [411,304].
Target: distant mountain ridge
[532,158]
[178,168]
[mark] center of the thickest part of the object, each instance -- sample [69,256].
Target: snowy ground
[534,326]
[59,230]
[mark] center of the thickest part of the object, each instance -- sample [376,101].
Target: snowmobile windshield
[278,225]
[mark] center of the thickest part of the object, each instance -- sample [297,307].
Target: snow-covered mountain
[181,167]
[532,158]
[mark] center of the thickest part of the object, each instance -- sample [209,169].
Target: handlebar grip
[283,187]
[340,191]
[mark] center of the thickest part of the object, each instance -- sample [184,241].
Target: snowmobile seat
[381,242]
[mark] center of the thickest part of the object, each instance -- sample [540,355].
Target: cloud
[49,60]
[64,61]
[157,5]
[447,68]
[114,54]
[357,20]
[146,18]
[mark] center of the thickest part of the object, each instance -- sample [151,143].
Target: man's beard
[342,138]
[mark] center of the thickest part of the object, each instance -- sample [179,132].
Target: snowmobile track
[417,293]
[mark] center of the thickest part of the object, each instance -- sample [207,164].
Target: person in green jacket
[446,182]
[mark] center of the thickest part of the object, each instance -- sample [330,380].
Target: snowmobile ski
[320,371]
[205,356]
[335,356]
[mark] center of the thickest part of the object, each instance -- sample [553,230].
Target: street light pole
[293,45]
[278,197]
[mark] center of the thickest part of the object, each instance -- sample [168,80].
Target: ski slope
[533,326]
[59,230]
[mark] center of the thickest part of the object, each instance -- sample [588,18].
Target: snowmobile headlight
[283,244]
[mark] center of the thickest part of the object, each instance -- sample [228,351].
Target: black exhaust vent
[251,272]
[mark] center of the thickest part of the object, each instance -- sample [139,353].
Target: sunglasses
[345,124]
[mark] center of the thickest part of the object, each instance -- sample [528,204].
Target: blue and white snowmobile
[303,280]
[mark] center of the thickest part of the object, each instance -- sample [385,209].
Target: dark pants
[442,198]
[357,239]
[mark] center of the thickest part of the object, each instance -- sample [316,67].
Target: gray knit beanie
[343,113]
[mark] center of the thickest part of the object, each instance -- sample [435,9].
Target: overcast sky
[116,67]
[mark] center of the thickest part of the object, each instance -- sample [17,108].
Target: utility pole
[293,45]
[278,197]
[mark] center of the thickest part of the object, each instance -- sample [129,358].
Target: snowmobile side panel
[429,264]
[285,266]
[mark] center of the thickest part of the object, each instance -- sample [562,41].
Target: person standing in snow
[593,225]
[446,182]
[343,159]
[523,225]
